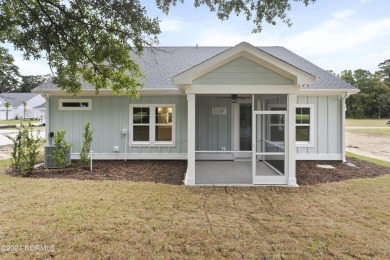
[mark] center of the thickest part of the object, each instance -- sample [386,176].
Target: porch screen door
[269,144]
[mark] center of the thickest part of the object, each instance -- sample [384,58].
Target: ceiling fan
[234,98]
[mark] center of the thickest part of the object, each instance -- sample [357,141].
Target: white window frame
[269,108]
[152,126]
[61,101]
[309,143]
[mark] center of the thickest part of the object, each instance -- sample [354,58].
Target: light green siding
[212,131]
[109,115]
[327,123]
[242,71]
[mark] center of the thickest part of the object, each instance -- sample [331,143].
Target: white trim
[61,101]
[216,157]
[319,157]
[290,165]
[242,89]
[191,135]
[250,52]
[270,180]
[109,92]
[152,124]
[313,121]
[343,123]
[312,125]
[134,156]
[326,92]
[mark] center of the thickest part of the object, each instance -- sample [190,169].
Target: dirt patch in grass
[172,172]
[168,172]
[308,173]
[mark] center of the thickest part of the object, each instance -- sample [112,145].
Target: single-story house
[239,115]
[16,110]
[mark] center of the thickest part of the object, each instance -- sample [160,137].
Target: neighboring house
[16,109]
[240,115]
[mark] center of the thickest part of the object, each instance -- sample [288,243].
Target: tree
[384,71]
[31,81]
[7,106]
[373,100]
[9,72]
[24,108]
[90,40]
[86,144]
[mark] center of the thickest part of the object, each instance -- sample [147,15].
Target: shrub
[61,153]
[25,150]
[86,144]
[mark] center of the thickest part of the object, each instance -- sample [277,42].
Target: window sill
[304,144]
[159,144]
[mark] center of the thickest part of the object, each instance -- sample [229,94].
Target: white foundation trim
[320,157]
[134,156]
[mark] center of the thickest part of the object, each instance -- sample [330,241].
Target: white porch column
[291,151]
[190,176]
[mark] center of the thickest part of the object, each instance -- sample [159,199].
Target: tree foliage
[7,105]
[31,81]
[254,10]
[86,144]
[25,150]
[373,100]
[9,72]
[91,39]
[61,154]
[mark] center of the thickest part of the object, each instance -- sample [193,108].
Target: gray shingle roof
[16,98]
[161,64]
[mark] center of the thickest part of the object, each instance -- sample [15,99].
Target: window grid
[160,123]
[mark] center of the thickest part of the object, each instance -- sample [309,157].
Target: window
[276,125]
[152,124]
[304,125]
[75,104]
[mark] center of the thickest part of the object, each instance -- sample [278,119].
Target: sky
[333,34]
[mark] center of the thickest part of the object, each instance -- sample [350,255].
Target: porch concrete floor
[229,172]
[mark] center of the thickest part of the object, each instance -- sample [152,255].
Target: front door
[242,130]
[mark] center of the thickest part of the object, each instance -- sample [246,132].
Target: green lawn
[13,122]
[122,220]
[365,158]
[371,131]
[366,122]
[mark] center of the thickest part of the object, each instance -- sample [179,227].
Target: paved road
[12,132]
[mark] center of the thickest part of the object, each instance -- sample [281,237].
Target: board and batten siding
[327,132]
[212,131]
[242,71]
[109,115]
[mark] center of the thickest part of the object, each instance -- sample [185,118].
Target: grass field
[122,220]
[13,122]
[366,122]
[371,131]
[365,158]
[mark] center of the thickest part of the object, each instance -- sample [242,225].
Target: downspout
[343,124]
[47,116]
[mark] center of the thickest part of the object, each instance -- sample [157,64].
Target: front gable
[242,71]
[218,70]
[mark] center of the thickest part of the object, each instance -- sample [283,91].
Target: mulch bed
[172,172]
[168,172]
[308,173]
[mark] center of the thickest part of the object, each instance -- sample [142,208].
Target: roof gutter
[107,92]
